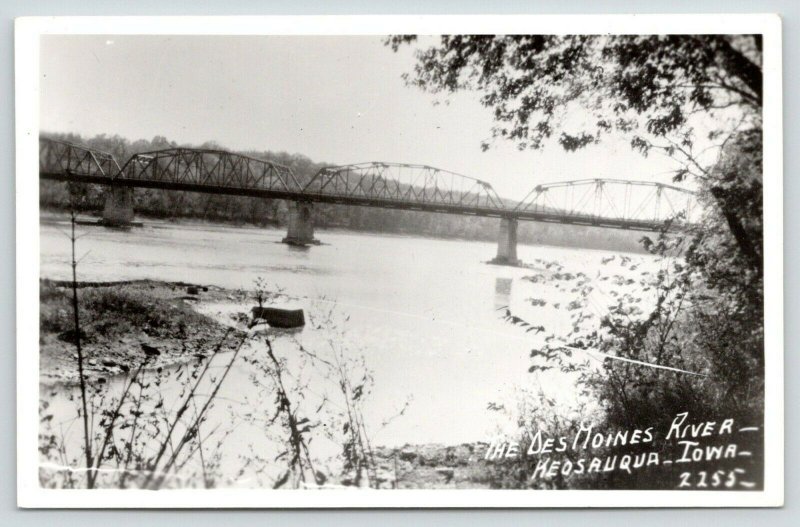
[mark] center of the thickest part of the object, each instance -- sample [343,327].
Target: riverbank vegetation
[699,346]
[152,371]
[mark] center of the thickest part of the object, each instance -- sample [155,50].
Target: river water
[423,311]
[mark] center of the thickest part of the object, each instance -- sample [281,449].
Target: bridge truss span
[62,158]
[609,203]
[404,186]
[617,203]
[205,170]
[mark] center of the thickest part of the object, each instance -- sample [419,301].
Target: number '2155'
[703,479]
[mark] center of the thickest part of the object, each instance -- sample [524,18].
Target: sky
[333,99]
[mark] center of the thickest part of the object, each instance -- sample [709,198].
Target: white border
[28,31]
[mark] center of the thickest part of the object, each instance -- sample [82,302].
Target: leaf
[281,480]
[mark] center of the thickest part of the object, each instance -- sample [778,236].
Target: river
[423,311]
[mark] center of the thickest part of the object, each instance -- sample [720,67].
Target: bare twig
[87,446]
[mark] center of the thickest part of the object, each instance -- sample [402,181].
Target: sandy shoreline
[118,318]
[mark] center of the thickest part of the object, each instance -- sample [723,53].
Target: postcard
[399,261]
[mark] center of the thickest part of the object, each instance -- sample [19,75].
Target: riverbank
[414,307]
[122,323]
[119,319]
[433,466]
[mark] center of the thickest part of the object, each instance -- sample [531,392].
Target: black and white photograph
[508,261]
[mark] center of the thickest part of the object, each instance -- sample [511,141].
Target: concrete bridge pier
[118,209]
[507,243]
[301,224]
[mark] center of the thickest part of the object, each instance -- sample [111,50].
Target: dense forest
[262,212]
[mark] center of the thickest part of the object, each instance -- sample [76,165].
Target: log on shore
[279,318]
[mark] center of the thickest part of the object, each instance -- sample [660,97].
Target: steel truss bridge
[610,203]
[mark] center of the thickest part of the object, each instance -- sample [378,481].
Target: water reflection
[502,292]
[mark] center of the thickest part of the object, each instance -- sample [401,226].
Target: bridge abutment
[507,243]
[301,224]
[118,209]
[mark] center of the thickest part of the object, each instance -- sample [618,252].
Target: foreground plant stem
[193,430]
[87,446]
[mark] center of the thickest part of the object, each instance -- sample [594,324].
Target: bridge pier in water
[507,243]
[118,208]
[301,224]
